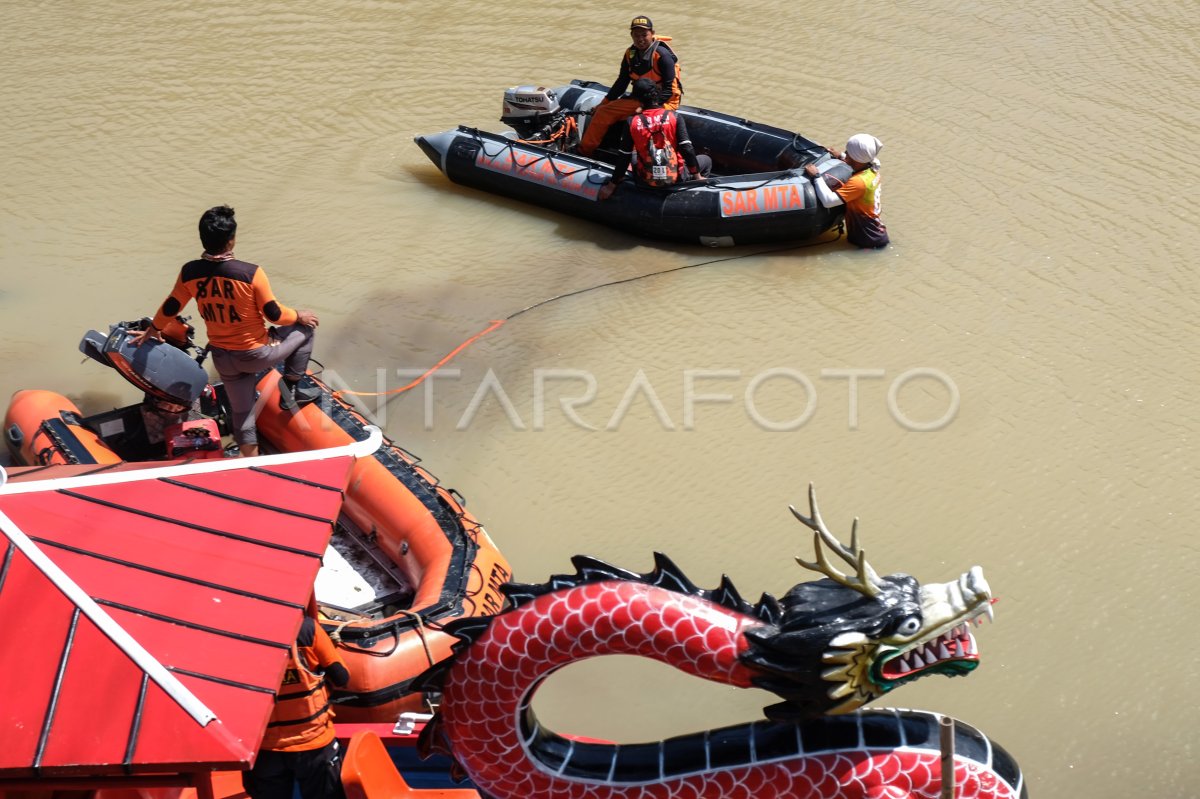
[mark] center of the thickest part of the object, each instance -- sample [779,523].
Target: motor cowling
[165,371]
[533,112]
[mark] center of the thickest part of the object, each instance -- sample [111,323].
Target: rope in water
[496,323]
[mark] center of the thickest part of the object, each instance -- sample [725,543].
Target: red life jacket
[657,159]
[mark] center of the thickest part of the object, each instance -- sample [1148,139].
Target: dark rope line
[753,187]
[672,269]
[508,145]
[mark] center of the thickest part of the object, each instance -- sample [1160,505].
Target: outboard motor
[171,377]
[178,397]
[535,114]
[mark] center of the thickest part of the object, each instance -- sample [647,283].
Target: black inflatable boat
[758,191]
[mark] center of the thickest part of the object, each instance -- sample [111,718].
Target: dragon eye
[909,626]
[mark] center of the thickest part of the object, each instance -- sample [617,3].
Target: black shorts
[318,772]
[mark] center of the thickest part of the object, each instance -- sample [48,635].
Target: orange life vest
[650,70]
[302,719]
[657,159]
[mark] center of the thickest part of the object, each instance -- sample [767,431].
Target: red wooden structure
[146,613]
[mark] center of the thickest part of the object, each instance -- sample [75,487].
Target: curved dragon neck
[869,738]
[486,712]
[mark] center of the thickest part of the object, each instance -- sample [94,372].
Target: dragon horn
[866,581]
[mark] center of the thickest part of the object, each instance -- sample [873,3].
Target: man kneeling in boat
[656,141]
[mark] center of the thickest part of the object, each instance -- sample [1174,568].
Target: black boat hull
[758,194]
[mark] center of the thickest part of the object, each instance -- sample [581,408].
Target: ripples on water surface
[1038,158]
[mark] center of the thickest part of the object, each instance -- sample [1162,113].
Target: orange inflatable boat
[429,559]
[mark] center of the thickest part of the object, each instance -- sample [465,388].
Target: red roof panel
[191,602]
[205,566]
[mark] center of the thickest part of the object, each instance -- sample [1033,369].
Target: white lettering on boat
[541,168]
[763,200]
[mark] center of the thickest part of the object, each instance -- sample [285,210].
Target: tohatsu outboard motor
[172,379]
[535,114]
[180,408]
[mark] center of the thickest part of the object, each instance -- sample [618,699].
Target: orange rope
[495,324]
[498,322]
[566,128]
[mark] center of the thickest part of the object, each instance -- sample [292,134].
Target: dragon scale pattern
[488,690]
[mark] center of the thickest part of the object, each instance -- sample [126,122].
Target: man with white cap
[861,193]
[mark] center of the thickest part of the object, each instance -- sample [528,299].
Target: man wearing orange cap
[649,57]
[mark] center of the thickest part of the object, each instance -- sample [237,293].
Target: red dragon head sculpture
[829,647]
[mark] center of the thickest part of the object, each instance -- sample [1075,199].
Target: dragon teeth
[839,657]
[834,675]
[839,691]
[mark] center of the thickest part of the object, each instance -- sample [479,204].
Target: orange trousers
[608,114]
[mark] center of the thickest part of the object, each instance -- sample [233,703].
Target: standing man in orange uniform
[649,57]
[299,745]
[237,304]
[862,193]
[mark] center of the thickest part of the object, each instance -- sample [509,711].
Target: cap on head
[641,22]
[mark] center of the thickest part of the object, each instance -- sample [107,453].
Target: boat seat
[368,772]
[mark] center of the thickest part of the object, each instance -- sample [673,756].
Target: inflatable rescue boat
[427,560]
[758,191]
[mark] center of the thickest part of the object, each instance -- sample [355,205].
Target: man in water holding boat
[300,745]
[237,304]
[861,193]
[656,141]
[649,57]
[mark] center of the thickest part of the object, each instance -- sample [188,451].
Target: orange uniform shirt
[302,719]
[863,196]
[234,298]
